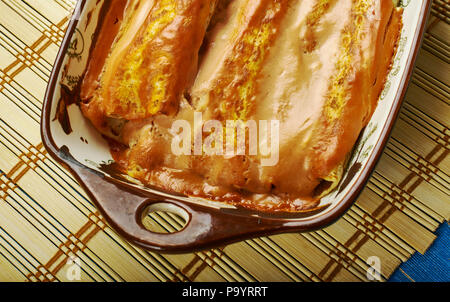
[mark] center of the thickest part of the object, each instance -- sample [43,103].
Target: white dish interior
[89,148]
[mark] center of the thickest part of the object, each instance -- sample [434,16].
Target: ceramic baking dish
[77,145]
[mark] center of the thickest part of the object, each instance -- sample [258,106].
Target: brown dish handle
[123,208]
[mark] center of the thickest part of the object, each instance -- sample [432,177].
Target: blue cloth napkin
[433,266]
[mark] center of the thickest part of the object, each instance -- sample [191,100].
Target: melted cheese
[316,66]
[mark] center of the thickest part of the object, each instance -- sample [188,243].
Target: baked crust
[316,66]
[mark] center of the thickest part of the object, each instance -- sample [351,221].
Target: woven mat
[46,219]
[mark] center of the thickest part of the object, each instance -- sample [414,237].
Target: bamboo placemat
[46,218]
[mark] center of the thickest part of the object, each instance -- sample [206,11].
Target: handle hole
[164,218]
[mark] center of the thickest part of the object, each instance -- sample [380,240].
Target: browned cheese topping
[315,66]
